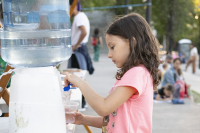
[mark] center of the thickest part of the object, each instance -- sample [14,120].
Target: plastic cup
[70,109]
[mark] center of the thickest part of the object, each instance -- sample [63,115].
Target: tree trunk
[167,43]
[126,9]
[170,28]
[148,12]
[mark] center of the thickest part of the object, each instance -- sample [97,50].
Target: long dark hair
[145,51]
[96,32]
[176,60]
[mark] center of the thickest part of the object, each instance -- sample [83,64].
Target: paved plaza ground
[167,118]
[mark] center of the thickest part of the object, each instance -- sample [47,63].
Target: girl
[96,42]
[165,93]
[186,86]
[128,108]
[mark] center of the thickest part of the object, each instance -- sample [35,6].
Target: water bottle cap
[67,88]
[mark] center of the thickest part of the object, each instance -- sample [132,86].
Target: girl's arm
[102,106]
[94,121]
[158,97]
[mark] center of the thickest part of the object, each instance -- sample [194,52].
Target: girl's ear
[134,41]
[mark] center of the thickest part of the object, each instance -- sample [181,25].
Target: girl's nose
[109,55]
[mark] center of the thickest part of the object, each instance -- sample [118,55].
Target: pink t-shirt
[135,115]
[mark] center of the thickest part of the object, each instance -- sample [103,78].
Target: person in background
[96,42]
[180,73]
[172,77]
[183,58]
[175,55]
[79,39]
[165,67]
[185,86]
[193,57]
[168,61]
[165,93]
[80,36]
[180,55]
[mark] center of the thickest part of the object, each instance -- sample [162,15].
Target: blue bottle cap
[67,88]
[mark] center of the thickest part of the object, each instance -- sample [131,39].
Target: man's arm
[193,57]
[82,36]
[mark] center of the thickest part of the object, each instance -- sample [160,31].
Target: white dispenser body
[36,101]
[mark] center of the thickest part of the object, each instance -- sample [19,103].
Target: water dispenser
[36,37]
[36,33]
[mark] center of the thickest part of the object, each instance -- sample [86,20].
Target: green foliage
[183,13]
[183,17]
[96,3]
[121,11]
[196,97]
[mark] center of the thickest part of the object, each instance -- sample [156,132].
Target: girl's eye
[112,47]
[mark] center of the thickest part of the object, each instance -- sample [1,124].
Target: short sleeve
[79,20]
[136,78]
[196,52]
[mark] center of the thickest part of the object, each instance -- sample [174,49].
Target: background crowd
[173,85]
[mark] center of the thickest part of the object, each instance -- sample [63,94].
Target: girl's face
[177,64]
[119,49]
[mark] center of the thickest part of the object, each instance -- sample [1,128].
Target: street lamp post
[199,41]
[148,12]
[126,9]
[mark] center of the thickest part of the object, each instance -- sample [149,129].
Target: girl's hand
[1,26]
[78,118]
[75,80]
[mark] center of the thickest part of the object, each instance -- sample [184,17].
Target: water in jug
[36,32]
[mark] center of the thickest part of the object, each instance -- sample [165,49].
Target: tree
[196,32]
[96,3]
[179,12]
[121,11]
[171,18]
[174,19]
